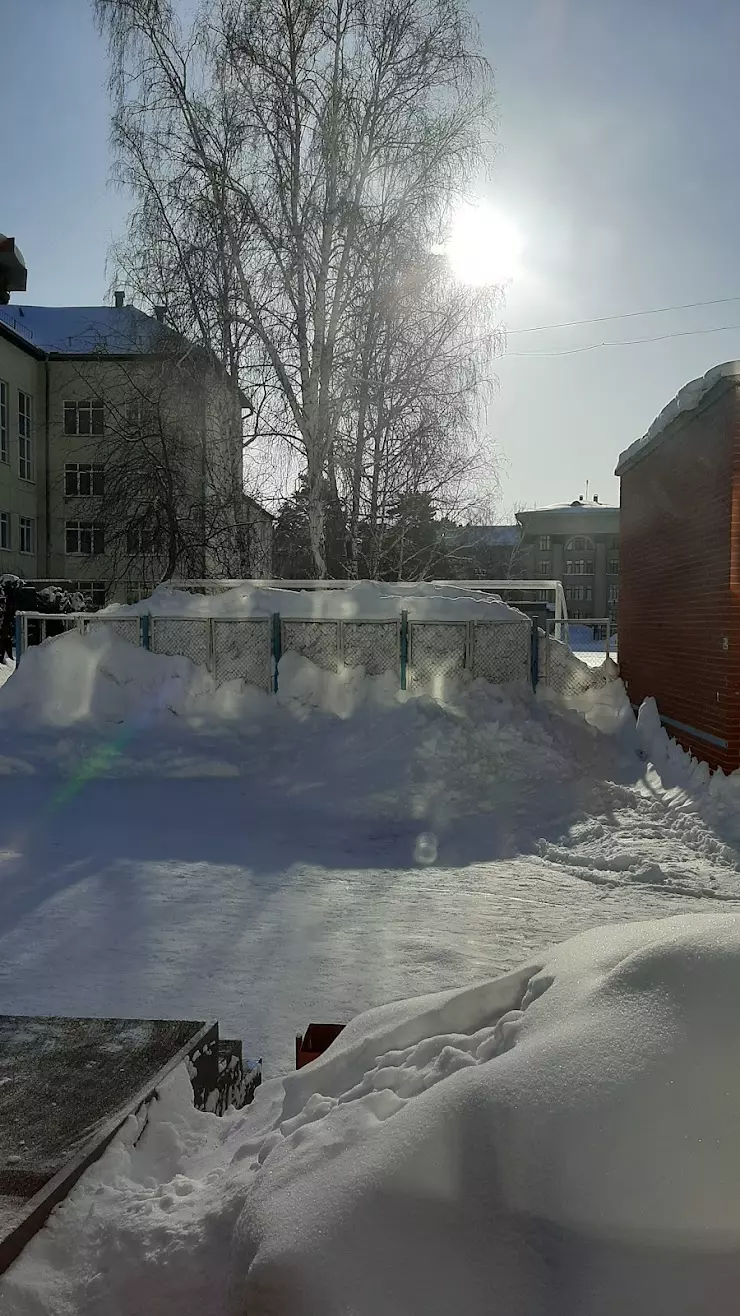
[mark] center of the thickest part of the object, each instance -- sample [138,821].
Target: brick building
[679,606]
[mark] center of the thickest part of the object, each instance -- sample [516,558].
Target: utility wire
[629,342]
[626,315]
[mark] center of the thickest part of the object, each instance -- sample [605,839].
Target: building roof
[688,398]
[82,330]
[497,536]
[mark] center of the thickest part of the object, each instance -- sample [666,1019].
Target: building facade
[578,544]
[120,464]
[679,625]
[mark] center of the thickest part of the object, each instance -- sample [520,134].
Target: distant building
[479,552]
[77,503]
[578,544]
[679,621]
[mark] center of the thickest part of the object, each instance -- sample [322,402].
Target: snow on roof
[687,399]
[80,330]
[577,506]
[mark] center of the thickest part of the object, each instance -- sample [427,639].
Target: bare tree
[273,129]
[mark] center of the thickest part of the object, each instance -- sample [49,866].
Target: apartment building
[577,543]
[120,459]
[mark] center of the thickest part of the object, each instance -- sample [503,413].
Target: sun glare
[484,246]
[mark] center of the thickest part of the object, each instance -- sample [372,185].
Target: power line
[630,342]
[626,315]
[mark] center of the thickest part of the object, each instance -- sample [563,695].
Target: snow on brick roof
[686,399]
[80,330]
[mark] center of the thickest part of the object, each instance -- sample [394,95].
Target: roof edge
[689,399]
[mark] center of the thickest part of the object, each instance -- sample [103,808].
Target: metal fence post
[404,647]
[534,652]
[144,636]
[276,648]
[19,629]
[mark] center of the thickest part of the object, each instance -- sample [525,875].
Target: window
[614,543]
[84,538]
[578,545]
[4,529]
[95,592]
[3,421]
[614,594]
[139,539]
[579,567]
[613,566]
[543,567]
[25,534]
[82,479]
[579,593]
[545,544]
[25,450]
[83,417]
[136,590]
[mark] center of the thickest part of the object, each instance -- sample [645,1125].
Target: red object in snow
[314,1042]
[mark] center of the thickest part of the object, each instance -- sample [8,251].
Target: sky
[615,162]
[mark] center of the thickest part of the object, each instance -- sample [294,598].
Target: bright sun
[484,247]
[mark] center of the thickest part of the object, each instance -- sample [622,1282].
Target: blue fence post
[534,653]
[18,639]
[276,649]
[404,647]
[144,633]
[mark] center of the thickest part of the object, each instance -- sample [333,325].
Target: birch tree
[283,126]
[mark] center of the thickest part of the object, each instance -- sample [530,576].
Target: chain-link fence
[126,628]
[316,640]
[563,672]
[437,651]
[242,651]
[374,645]
[188,637]
[500,651]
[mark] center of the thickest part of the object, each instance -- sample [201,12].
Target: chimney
[118,297]
[159,312]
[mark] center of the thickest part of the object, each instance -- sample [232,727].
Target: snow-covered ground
[166,849]
[6,670]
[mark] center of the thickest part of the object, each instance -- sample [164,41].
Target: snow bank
[101,679]
[565,1139]
[369,600]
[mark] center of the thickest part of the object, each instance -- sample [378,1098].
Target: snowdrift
[565,1139]
[369,600]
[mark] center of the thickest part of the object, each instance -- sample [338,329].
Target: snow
[366,600]
[7,669]
[687,399]
[171,848]
[565,1138]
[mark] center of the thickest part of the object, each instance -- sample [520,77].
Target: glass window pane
[85,480]
[97,418]
[70,480]
[97,479]
[98,539]
[71,537]
[83,416]
[85,538]
[70,418]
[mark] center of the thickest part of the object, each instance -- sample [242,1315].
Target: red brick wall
[679,555]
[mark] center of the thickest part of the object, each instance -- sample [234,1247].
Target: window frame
[4,422]
[544,544]
[5,522]
[139,540]
[612,566]
[76,470]
[91,406]
[25,437]
[83,527]
[28,524]
[613,593]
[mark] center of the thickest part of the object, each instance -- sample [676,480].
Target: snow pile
[101,679]
[367,600]
[565,1139]
[687,399]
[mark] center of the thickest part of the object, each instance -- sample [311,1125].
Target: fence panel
[315,640]
[500,651]
[374,645]
[127,628]
[563,671]
[242,650]
[189,637]
[437,650]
